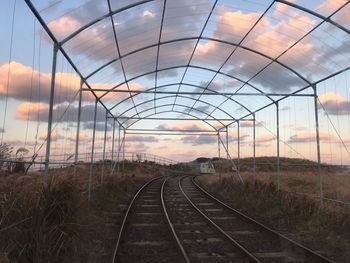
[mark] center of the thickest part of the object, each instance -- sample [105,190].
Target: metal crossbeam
[199,93]
[118,50]
[212,39]
[171,119]
[86,26]
[158,48]
[289,48]
[195,48]
[172,134]
[180,105]
[197,86]
[173,130]
[61,49]
[186,97]
[324,18]
[234,50]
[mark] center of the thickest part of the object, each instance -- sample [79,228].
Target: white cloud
[148,14]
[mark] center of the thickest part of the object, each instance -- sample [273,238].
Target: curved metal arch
[306,10]
[181,96]
[200,38]
[167,105]
[172,111]
[86,26]
[105,16]
[190,66]
[193,85]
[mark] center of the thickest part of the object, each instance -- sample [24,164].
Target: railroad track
[174,219]
[263,242]
[144,235]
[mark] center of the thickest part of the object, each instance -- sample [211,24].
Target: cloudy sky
[222,46]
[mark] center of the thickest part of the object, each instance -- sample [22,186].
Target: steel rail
[308,250]
[236,244]
[121,231]
[171,226]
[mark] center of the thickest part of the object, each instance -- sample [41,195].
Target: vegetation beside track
[60,224]
[299,217]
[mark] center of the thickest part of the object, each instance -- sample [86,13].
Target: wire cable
[39,92]
[335,129]
[9,71]
[31,85]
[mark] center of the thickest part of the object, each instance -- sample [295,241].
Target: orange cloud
[281,9]
[334,104]
[268,38]
[234,25]
[27,110]
[329,6]
[64,26]
[22,76]
[196,126]
[116,95]
[265,139]
[308,136]
[55,136]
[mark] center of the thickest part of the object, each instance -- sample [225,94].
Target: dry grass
[335,186]
[60,218]
[296,176]
[325,229]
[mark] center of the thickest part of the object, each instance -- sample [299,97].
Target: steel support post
[104,149]
[230,158]
[113,134]
[92,152]
[238,151]
[49,124]
[114,163]
[124,149]
[78,129]
[119,149]
[219,153]
[319,172]
[278,147]
[227,157]
[219,161]
[254,148]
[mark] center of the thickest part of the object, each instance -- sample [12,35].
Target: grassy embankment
[299,216]
[61,224]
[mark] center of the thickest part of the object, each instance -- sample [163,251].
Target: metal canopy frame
[179,105]
[124,121]
[187,96]
[60,46]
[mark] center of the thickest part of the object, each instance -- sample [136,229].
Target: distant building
[206,168]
